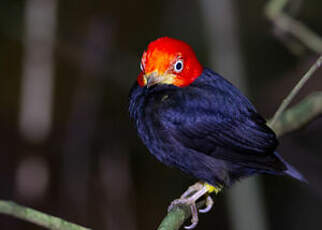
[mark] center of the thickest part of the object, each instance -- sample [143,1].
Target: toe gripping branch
[191,196]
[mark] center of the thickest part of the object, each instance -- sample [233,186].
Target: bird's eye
[178,66]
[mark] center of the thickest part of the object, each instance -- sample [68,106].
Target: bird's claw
[209,205]
[191,190]
[177,202]
[195,218]
[189,199]
[193,208]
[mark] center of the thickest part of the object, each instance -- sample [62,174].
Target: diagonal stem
[36,217]
[296,89]
[299,115]
[285,23]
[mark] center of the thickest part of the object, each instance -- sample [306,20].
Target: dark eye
[178,66]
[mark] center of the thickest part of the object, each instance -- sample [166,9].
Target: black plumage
[207,129]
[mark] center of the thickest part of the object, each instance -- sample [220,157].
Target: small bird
[191,118]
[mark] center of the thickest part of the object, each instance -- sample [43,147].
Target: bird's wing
[207,132]
[220,123]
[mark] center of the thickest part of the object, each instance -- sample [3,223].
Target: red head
[169,61]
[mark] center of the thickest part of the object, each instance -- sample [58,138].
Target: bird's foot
[192,189]
[193,208]
[189,198]
[209,205]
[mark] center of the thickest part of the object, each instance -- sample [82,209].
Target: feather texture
[207,129]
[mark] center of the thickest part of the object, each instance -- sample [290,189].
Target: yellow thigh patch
[212,188]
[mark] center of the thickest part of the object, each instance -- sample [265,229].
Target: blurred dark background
[67,145]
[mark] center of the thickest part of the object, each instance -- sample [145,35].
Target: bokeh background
[68,147]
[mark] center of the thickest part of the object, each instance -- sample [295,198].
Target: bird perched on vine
[191,118]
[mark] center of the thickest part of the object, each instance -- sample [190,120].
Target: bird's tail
[292,171]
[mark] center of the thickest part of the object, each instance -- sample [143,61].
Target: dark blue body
[207,129]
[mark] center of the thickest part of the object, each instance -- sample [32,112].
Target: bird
[191,118]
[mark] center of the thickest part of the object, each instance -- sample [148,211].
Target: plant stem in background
[33,216]
[287,24]
[295,90]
